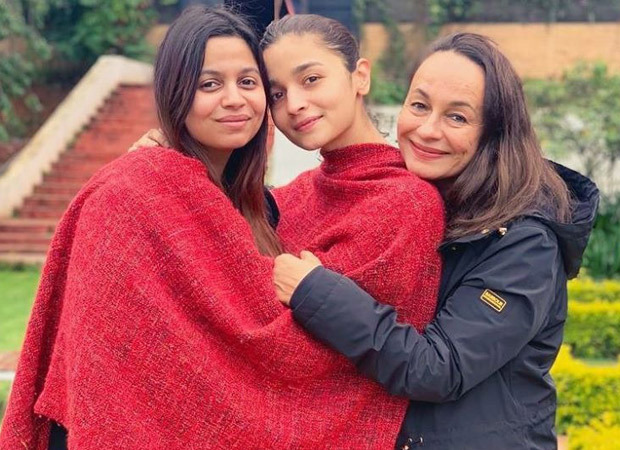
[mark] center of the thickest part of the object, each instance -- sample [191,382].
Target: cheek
[203,106]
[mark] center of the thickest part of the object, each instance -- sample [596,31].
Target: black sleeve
[273,213]
[466,342]
[58,437]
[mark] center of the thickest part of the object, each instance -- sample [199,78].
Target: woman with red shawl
[156,324]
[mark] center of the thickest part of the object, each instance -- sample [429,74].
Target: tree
[579,113]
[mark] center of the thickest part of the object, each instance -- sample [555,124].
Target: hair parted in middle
[507,176]
[177,71]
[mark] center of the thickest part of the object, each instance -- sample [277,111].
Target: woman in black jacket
[478,377]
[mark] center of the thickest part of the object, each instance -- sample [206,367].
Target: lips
[306,124]
[234,118]
[426,153]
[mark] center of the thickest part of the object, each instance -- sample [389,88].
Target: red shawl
[365,216]
[156,327]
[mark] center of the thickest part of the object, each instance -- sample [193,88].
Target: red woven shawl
[156,327]
[365,216]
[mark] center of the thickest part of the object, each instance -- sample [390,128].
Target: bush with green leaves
[585,289]
[584,392]
[602,256]
[580,114]
[602,433]
[593,329]
[76,31]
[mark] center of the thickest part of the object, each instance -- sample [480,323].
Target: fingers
[305,255]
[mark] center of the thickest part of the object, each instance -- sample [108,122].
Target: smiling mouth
[426,152]
[306,124]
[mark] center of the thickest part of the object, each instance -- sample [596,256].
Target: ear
[361,75]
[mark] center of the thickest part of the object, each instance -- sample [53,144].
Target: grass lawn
[4,393]
[17,290]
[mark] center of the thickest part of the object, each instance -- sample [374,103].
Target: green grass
[4,393]
[17,290]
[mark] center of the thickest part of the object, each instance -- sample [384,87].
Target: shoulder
[523,247]
[413,196]
[147,174]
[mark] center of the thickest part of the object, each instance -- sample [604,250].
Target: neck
[361,131]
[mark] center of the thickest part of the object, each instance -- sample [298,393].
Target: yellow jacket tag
[493,300]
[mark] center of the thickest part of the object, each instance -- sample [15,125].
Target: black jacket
[478,377]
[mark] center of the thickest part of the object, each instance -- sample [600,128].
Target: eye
[458,118]
[248,82]
[312,79]
[418,106]
[209,85]
[275,96]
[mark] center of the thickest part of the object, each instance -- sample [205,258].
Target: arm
[466,342]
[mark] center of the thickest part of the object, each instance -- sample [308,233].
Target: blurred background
[75,94]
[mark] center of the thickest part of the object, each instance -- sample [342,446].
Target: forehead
[449,74]
[292,50]
[227,51]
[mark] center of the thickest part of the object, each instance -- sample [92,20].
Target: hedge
[584,393]
[593,329]
[601,434]
[584,289]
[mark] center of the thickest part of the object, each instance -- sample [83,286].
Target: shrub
[584,392]
[585,289]
[593,329]
[600,434]
[602,257]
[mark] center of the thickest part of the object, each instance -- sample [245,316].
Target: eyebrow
[244,71]
[299,69]
[453,104]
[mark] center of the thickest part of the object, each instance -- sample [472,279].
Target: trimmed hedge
[593,329]
[584,392]
[600,434]
[584,289]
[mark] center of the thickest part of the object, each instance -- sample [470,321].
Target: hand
[153,138]
[289,271]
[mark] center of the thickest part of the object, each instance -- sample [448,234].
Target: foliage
[18,289]
[583,392]
[593,329]
[585,289]
[77,31]
[602,433]
[19,21]
[602,256]
[390,77]
[580,114]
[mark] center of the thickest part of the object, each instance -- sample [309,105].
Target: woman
[156,324]
[478,377]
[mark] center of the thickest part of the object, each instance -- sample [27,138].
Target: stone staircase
[124,117]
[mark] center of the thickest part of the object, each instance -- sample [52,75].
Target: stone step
[51,200]
[40,212]
[18,225]
[23,247]
[60,188]
[26,237]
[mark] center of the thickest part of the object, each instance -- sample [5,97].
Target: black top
[478,377]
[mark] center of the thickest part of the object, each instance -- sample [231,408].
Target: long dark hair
[508,175]
[177,70]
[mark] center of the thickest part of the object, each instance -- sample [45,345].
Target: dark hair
[334,34]
[177,70]
[508,175]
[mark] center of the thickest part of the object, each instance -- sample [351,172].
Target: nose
[296,101]
[430,128]
[233,97]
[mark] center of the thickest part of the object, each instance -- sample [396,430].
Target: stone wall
[537,50]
